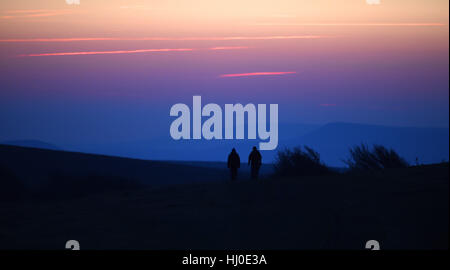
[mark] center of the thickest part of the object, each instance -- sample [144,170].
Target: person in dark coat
[234,162]
[254,160]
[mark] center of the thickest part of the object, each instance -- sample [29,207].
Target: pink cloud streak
[257,74]
[108,52]
[129,51]
[228,48]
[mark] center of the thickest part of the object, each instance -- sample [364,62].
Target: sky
[108,71]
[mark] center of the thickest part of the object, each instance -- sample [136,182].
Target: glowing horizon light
[257,74]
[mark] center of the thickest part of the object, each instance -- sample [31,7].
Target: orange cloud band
[257,74]
[29,13]
[350,24]
[159,38]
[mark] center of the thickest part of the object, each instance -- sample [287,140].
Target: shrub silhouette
[363,158]
[299,162]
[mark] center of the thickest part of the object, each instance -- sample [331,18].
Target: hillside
[402,209]
[35,166]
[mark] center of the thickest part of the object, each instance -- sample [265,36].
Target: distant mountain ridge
[332,141]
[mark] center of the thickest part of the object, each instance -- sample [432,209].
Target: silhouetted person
[254,159]
[234,162]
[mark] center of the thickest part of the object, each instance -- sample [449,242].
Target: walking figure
[234,162]
[254,159]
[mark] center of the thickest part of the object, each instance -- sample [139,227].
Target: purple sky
[373,73]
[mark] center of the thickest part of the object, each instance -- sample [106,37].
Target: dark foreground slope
[405,208]
[35,167]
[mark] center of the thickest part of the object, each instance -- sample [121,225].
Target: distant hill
[32,143]
[332,141]
[165,148]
